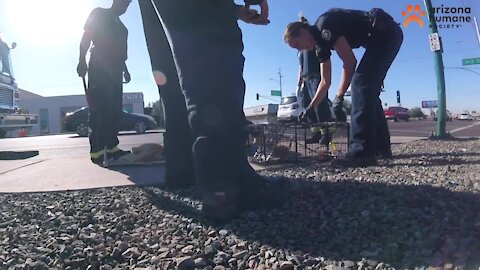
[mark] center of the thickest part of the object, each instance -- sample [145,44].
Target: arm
[126,74]
[345,52]
[324,85]
[84,46]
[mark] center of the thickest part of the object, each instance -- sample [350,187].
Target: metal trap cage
[284,143]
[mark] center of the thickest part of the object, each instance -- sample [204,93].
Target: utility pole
[280,79]
[435,44]
[476,29]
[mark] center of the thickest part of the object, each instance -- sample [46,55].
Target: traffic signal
[398,97]
[258,96]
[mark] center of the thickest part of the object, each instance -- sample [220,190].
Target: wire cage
[285,143]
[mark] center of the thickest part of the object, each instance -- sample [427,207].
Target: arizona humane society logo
[447,17]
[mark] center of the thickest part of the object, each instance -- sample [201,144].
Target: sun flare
[49,21]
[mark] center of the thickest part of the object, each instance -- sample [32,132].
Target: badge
[326,34]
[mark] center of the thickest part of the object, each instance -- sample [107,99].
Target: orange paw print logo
[416,17]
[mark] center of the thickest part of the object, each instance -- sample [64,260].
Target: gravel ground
[420,210]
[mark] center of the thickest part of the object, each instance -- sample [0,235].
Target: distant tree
[158,112]
[416,112]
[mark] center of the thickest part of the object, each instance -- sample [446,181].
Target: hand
[82,68]
[337,102]
[302,117]
[252,16]
[126,76]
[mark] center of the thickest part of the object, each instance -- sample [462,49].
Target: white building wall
[52,110]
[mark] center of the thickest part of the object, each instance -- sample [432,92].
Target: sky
[48,34]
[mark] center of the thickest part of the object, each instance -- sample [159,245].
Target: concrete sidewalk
[40,174]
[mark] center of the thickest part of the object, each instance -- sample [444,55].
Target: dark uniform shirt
[354,25]
[109,35]
[309,63]
[200,16]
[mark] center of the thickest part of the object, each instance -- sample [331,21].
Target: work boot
[258,193]
[220,206]
[355,162]
[316,137]
[265,192]
[385,155]
[179,181]
[98,161]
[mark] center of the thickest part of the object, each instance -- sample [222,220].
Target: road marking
[462,128]
[410,131]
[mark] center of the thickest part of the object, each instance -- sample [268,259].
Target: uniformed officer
[177,139]
[106,68]
[207,46]
[341,30]
[309,78]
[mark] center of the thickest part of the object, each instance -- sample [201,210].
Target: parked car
[289,109]
[465,116]
[396,114]
[77,121]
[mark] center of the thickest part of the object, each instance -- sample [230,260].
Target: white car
[289,109]
[465,116]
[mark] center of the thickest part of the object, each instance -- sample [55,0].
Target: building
[51,111]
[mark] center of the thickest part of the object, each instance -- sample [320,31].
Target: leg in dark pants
[178,139]
[215,112]
[105,92]
[366,83]
[322,111]
[209,63]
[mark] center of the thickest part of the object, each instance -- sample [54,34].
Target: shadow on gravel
[430,155]
[402,225]
[441,159]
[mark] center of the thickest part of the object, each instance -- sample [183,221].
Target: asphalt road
[424,128]
[71,145]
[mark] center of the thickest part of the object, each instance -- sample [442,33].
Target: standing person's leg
[210,69]
[311,115]
[98,109]
[366,84]
[322,111]
[115,93]
[384,149]
[177,139]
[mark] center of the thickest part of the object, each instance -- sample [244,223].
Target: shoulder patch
[326,34]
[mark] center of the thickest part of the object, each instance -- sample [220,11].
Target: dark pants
[322,111]
[369,131]
[105,94]
[178,139]
[210,70]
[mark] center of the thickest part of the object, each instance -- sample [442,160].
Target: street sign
[276,93]
[435,44]
[429,104]
[471,61]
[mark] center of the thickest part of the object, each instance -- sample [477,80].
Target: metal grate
[283,143]
[6,96]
